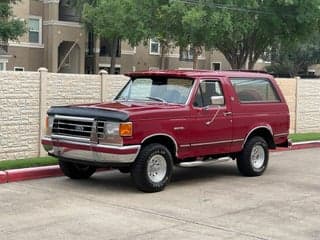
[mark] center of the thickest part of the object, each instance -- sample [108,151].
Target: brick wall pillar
[103,74]
[43,74]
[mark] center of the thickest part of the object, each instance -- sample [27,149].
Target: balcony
[67,12]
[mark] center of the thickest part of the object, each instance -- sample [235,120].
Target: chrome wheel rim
[257,156]
[157,168]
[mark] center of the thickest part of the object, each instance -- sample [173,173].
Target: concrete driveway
[211,202]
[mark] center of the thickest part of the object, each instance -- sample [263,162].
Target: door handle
[227,114]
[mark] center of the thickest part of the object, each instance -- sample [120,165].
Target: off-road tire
[75,170]
[139,170]
[245,161]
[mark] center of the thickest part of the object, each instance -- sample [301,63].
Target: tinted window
[206,90]
[254,90]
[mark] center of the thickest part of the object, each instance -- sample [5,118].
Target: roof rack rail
[242,70]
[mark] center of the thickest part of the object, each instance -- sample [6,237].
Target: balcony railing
[69,18]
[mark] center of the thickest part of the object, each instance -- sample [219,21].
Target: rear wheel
[75,170]
[152,169]
[253,159]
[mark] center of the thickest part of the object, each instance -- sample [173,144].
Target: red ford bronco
[166,118]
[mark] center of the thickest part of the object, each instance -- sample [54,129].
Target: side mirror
[217,100]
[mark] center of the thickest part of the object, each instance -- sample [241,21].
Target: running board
[203,162]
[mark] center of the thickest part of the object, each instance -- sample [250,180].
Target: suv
[166,118]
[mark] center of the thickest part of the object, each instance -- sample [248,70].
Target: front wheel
[75,170]
[253,159]
[152,170]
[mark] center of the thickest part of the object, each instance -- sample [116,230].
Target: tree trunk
[164,48]
[196,53]
[113,55]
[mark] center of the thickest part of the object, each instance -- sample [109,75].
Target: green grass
[26,163]
[300,137]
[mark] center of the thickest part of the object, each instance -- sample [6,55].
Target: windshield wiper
[157,99]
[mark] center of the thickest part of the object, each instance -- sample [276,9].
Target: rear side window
[254,90]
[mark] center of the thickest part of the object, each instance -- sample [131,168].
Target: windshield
[160,89]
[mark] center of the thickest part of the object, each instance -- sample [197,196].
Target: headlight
[111,129]
[49,124]
[118,129]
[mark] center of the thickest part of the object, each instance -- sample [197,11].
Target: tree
[295,58]
[114,20]
[200,27]
[175,23]
[256,24]
[10,28]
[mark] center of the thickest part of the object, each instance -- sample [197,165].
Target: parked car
[166,118]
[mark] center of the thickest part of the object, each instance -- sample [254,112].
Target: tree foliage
[292,59]
[10,28]
[241,30]
[114,20]
[256,24]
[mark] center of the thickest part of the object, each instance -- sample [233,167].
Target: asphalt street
[212,202]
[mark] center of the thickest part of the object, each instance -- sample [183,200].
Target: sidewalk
[54,171]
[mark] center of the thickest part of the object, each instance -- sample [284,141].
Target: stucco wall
[288,87]
[26,96]
[19,115]
[308,107]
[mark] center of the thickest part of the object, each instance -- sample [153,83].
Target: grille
[73,128]
[100,130]
[86,128]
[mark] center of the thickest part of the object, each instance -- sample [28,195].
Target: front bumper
[90,152]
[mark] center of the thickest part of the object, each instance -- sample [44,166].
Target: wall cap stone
[42,69]
[103,72]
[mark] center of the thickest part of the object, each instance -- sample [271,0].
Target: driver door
[211,124]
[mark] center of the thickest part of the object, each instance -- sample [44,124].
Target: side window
[254,90]
[206,90]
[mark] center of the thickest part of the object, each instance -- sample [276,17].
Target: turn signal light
[125,129]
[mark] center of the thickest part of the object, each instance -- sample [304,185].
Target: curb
[54,171]
[33,173]
[3,177]
[29,173]
[299,146]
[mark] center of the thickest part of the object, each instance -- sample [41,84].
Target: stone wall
[288,87]
[308,105]
[26,96]
[19,115]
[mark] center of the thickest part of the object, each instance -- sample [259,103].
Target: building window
[154,68]
[154,48]
[106,47]
[216,66]
[18,69]
[35,30]
[2,66]
[90,46]
[186,54]
[107,68]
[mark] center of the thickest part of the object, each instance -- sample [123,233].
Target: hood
[119,111]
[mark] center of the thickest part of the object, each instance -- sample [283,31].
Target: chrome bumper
[90,151]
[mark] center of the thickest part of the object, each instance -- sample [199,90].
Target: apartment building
[58,41]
